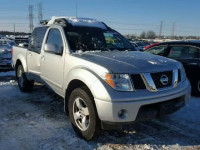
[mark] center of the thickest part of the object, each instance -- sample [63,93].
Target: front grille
[154,110]
[157,79]
[138,82]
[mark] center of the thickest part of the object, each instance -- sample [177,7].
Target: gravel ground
[36,121]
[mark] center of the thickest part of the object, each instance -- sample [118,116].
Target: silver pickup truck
[103,81]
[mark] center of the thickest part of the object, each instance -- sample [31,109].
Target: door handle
[42,58]
[29,53]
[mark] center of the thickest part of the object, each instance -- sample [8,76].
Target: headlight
[120,82]
[183,74]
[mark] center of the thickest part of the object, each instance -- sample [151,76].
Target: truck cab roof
[83,22]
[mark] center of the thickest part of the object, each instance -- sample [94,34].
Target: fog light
[122,114]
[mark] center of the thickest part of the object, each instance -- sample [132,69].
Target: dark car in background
[188,53]
[139,45]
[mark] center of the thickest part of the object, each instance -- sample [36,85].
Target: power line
[12,23]
[132,24]
[128,29]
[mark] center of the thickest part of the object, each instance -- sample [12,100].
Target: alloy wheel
[81,114]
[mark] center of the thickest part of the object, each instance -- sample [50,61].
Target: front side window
[54,42]
[184,52]
[90,39]
[157,50]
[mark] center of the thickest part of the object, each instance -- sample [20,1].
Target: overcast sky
[126,16]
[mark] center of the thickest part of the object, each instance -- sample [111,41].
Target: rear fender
[23,62]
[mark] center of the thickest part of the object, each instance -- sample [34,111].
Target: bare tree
[143,35]
[151,34]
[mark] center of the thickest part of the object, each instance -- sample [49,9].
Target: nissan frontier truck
[104,82]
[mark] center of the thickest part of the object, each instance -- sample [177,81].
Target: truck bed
[19,53]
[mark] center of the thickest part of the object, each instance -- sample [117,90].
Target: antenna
[40,13]
[30,9]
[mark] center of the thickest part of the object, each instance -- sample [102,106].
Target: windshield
[91,39]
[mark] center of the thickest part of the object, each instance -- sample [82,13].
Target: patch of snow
[86,22]
[36,121]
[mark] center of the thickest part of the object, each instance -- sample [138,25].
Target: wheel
[83,115]
[24,84]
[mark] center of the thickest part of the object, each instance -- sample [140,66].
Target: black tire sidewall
[93,128]
[27,85]
[18,69]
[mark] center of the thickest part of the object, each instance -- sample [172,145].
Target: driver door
[52,60]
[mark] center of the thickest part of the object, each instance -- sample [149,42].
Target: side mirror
[52,48]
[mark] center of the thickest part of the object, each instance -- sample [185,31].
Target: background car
[188,53]
[5,55]
[151,45]
[139,45]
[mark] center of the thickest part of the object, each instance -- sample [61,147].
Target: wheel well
[17,64]
[73,85]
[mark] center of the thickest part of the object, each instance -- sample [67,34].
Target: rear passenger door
[189,56]
[52,59]
[158,50]
[33,54]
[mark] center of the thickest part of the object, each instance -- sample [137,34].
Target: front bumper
[108,111]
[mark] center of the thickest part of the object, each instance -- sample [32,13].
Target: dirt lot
[37,121]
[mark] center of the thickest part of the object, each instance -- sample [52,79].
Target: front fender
[96,85]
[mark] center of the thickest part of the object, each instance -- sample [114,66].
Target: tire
[82,114]
[24,84]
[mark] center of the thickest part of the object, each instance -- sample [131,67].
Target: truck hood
[129,61]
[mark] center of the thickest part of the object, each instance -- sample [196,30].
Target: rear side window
[36,39]
[184,52]
[157,50]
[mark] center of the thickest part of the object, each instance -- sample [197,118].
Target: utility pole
[30,9]
[161,28]
[40,13]
[14,28]
[173,30]
[76,8]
